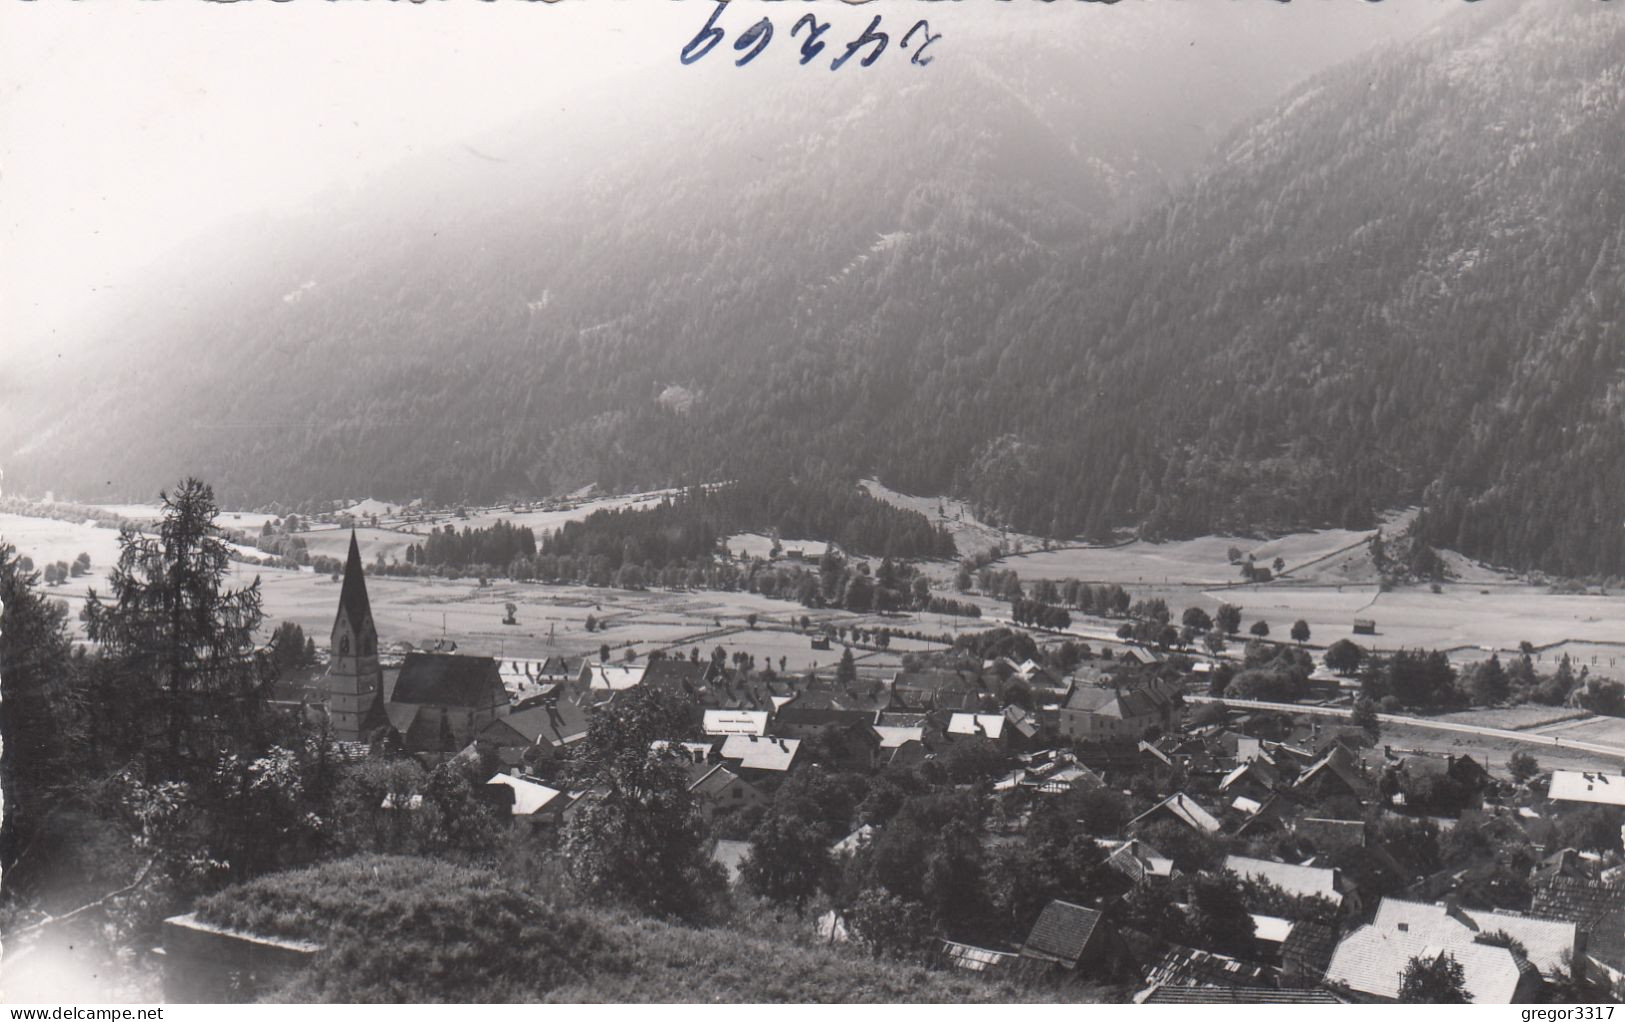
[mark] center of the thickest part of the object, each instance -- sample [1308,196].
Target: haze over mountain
[1001,276]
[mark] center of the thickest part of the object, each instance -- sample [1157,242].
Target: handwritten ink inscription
[809,32]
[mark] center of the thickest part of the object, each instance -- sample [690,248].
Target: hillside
[627,289]
[401,929]
[1397,285]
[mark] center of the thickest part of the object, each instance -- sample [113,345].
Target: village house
[1078,939]
[536,730]
[1589,787]
[1107,713]
[763,758]
[1597,910]
[1181,808]
[717,787]
[1298,881]
[528,800]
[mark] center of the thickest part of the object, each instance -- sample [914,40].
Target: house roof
[1258,770]
[977,725]
[820,716]
[613,677]
[672,674]
[1137,860]
[713,781]
[1334,763]
[1184,966]
[1302,881]
[735,722]
[528,796]
[1596,908]
[1372,960]
[1587,786]
[353,602]
[755,753]
[449,679]
[556,722]
[1107,701]
[1233,995]
[892,737]
[1061,932]
[1184,809]
[1309,947]
[855,841]
[1546,941]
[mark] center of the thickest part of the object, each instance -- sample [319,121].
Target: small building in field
[1365,626]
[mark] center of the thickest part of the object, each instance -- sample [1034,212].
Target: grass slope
[404,929]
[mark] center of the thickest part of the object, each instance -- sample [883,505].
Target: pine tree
[169,625]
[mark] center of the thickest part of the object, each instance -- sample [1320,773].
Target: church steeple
[353,603]
[354,677]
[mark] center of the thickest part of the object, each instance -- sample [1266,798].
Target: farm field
[1414,617]
[1514,718]
[756,545]
[1601,730]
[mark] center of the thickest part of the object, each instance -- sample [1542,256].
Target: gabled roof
[755,753]
[557,722]
[676,675]
[449,679]
[528,796]
[1546,941]
[892,737]
[1587,786]
[1258,771]
[1183,808]
[353,603]
[1308,949]
[714,781]
[735,722]
[1335,763]
[1372,960]
[823,716]
[612,677]
[1301,881]
[1061,932]
[1596,908]
[1137,860]
[977,725]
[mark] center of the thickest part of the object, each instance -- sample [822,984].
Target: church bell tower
[354,679]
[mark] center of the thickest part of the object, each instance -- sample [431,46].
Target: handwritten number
[919,55]
[762,30]
[869,36]
[707,38]
[813,46]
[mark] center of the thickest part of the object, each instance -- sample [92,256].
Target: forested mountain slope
[1401,282]
[1405,282]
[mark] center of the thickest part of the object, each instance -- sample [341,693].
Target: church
[435,703]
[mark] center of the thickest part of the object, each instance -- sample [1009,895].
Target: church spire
[353,602]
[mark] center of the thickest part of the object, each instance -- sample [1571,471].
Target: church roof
[449,679]
[353,603]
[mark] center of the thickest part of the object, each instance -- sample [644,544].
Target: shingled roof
[1308,949]
[449,679]
[1596,908]
[1062,932]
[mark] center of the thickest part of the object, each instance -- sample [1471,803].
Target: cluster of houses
[1251,775]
